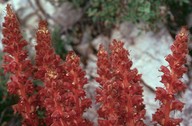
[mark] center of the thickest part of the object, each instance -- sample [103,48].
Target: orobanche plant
[62,99]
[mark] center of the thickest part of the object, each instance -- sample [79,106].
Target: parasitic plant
[62,96]
[49,71]
[171,79]
[16,63]
[120,93]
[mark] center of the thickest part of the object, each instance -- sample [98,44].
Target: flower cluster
[171,80]
[74,80]
[120,93]
[49,71]
[16,63]
[62,96]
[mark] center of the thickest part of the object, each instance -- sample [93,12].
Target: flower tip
[183,34]
[9,10]
[101,49]
[71,55]
[183,31]
[43,23]
[116,44]
[43,27]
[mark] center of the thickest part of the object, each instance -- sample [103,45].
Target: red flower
[62,96]
[171,80]
[120,93]
[16,62]
[74,81]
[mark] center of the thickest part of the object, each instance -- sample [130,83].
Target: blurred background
[147,27]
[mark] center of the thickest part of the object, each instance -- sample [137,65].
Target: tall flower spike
[121,93]
[49,71]
[107,113]
[62,95]
[16,63]
[75,97]
[171,80]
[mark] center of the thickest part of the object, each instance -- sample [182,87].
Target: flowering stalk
[74,80]
[16,63]
[107,111]
[121,93]
[171,80]
[48,70]
[63,83]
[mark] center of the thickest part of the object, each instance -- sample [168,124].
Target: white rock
[101,39]
[66,15]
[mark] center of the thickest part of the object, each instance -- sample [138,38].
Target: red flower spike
[77,102]
[62,96]
[120,94]
[171,80]
[49,71]
[16,63]
[107,111]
